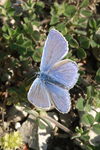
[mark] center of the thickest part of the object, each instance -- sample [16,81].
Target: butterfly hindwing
[66,72]
[38,95]
[59,97]
[55,49]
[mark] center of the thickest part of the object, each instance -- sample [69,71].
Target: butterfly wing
[59,97]
[38,95]
[56,47]
[66,72]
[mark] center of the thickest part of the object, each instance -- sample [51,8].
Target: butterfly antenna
[27,80]
[31,78]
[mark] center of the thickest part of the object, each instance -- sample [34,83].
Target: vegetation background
[23,30]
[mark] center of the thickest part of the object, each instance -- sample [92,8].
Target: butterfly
[56,76]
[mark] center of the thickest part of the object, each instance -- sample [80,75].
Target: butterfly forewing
[66,72]
[59,97]
[55,49]
[38,95]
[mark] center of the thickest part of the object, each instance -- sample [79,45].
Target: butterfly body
[48,79]
[56,76]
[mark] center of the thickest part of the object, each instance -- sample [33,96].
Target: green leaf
[3,55]
[80,32]
[39,50]
[25,6]
[40,124]
[10,12]
[10,31]
[32,112]
[81,72]
[85,137]
[98,75]
[37,58]
[41,4]
[78,130]
[39,7]
[87,119]
[85,132]
[54,20]
[73,43]
[83,25]
[5,27]
[20,39]
[13,46]
[81,53]
[32,17]
[69,55]
[27,43]
[90,147]
[36,35]
[25,27]
[75,19]
[17,31]
[97,118]
[89,90]
[84,3]
[81,20]
[32,4]
[30,28]
[84,42]
[63,6]
[80,104]
[36,23]
[86,12]
[6,36]
[88,106]
[56,10]
[7,4]
[21,50]
[64,31]
[68,37]
[69,10]
[60,26]
[29,52]
[76,136]
[92,23]
[26,20]
[93,43]
[96,128]
[98,22]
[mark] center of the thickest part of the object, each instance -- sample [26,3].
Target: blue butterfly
[56,77]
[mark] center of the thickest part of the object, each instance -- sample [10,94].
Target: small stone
[44,134]
[17,125]
[16,113]
[29,132]
[2,2]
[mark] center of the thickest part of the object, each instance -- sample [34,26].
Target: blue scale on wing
[59,97]
[66,72]
[38,95]
[55,48]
